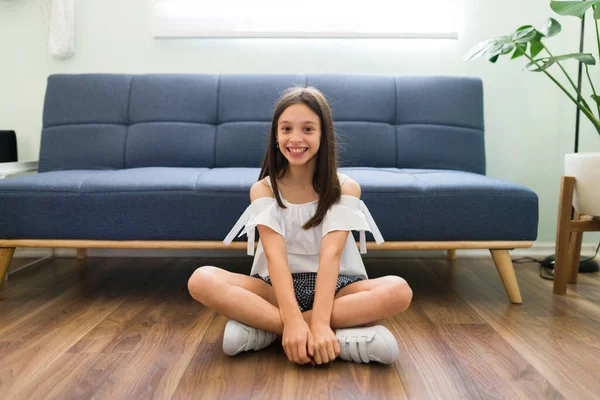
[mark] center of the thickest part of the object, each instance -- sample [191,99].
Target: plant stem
[597,34]
[598,42]
[570,80]
[596,100]
[561,67]
[583,109]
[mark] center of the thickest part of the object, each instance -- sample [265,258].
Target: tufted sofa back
[115,121]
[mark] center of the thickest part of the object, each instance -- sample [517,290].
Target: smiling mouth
[297,150]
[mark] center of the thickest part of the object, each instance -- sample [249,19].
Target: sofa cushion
[73,147]
[440,205]
[203,204]
[111,121]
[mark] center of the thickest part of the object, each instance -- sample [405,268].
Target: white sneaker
[373,343]
[239,337]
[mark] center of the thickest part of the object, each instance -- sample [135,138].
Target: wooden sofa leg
[451,254]
[81,264]
[507,274]
[81,253]
[6,254]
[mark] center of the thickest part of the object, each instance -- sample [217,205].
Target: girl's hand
[297,341]
[326,345]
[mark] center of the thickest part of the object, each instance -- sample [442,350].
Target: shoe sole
[230,332]
[390,338]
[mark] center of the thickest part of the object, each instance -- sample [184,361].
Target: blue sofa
[167,161]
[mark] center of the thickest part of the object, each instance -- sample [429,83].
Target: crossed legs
[252,301]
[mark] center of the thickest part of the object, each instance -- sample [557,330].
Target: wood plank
[440,304]
[263,374]
[428,367]
[498,370]
[130,330]
[29,289]
[588,286]
[46,338]
[541,303]
[20,368]
[157,361]
[215,373]
[18,262]
[274,374]
[582,301]
[543,348]
[536,302]
[50,308]
[365,381]
[75,376]
[583,335]
[123,329]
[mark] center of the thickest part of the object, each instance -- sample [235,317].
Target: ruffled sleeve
[351,214]
[263,211]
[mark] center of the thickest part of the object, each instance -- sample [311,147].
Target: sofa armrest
[13,168]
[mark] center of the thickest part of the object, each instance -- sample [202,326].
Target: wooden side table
[569,233]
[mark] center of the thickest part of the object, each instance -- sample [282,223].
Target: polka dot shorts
[305,284]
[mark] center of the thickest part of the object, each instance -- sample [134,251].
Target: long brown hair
[325,179]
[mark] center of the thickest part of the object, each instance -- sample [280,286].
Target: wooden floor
[128,329]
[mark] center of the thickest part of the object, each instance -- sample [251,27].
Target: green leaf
[551,28]
[596,12]
[520,50]
[498,47]
[479,49]
[524,34]
[547,62]
[536,47]
[585,58]
[508,47]
[596,99]
[494,59]
[495,50]
[572,8]
[523,27]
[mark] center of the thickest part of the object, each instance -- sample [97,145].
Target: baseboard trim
[538,250]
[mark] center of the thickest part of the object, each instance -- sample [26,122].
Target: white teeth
[298,150]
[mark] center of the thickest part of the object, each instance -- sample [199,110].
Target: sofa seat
[158,203]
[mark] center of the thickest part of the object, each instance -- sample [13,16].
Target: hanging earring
[277,144]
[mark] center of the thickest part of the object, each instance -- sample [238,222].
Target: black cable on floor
[548,273]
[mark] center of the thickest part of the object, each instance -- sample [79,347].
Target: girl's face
[299,134]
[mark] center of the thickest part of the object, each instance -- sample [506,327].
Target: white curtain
[60,18]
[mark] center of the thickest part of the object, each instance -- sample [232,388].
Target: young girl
[307,278]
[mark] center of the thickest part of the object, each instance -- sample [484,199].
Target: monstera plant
[528,42]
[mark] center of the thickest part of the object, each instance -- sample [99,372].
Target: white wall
[529,122]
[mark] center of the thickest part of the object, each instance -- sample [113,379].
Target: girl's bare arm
[332,246]
[331,250]
[276,253]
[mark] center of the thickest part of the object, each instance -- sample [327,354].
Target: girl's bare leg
[252,301]
[243,298]
[364,302]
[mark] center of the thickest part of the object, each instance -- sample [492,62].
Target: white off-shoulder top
[303,246]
